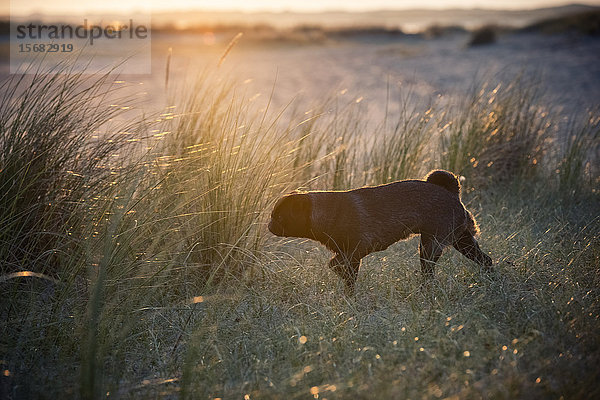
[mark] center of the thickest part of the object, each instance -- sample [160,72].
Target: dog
[355,223]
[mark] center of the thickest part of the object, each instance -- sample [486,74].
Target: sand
[377,70]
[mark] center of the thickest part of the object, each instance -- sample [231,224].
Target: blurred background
[363,50]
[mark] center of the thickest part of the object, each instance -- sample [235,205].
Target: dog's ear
[301,204]
[292,216]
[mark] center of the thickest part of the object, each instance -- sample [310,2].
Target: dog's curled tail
[445,179]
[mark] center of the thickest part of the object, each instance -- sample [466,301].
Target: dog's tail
[445,179]
[450,182]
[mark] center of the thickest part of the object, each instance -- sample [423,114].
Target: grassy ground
[157,276]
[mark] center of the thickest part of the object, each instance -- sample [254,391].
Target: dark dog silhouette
[357,222]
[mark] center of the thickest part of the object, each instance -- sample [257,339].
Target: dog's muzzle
[275,228]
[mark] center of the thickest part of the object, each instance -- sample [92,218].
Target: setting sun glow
[68,7]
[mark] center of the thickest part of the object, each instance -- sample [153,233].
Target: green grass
[162,280]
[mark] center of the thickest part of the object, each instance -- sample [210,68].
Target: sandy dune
[568,68]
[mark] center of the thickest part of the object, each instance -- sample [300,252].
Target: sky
[74,7]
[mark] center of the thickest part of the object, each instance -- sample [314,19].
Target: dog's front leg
[347,269]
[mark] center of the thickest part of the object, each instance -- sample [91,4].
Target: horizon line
[304,11]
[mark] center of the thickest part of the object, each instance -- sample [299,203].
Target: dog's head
[291,216]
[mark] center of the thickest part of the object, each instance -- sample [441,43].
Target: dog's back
[372,218]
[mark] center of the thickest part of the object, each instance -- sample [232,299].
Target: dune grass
[161,279]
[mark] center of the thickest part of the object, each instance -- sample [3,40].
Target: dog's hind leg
[469,247]
[430,251]
[347,269]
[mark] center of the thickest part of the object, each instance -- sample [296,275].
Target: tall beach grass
[162,280]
